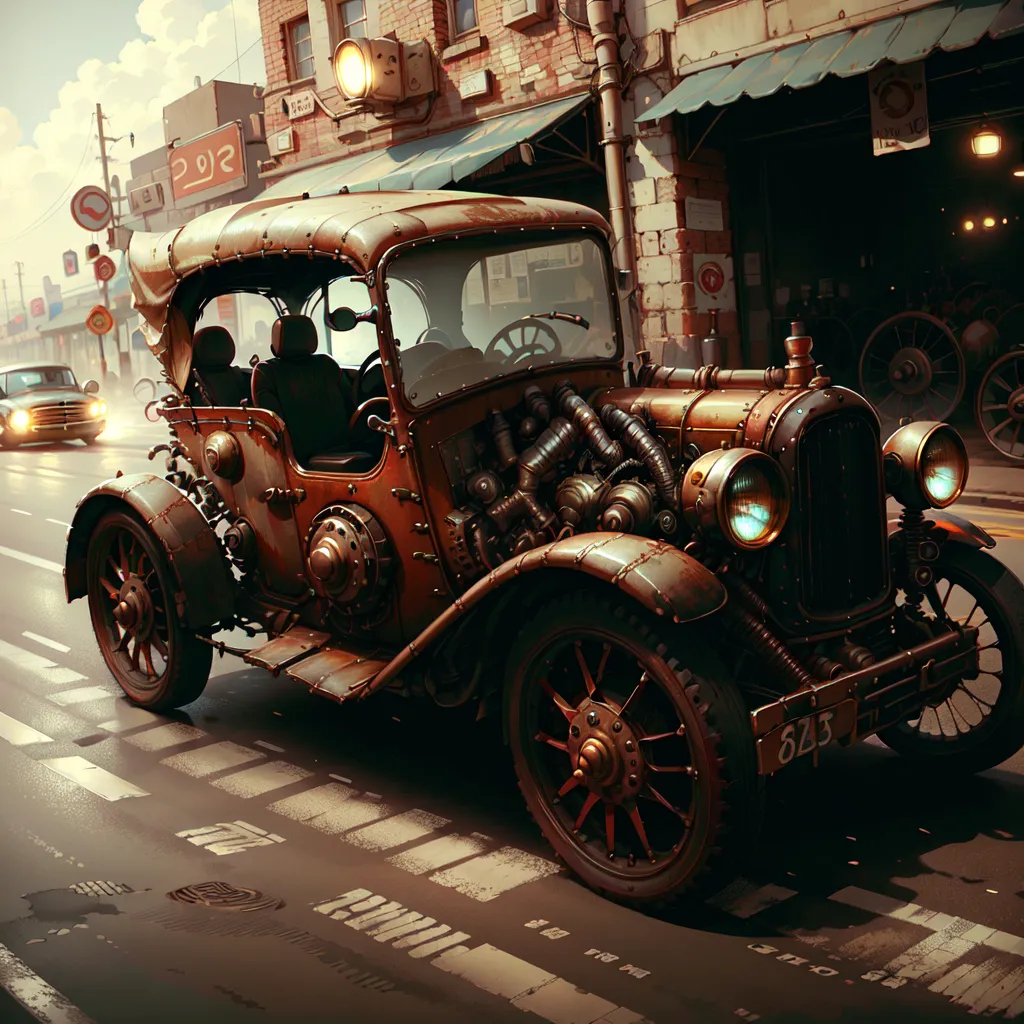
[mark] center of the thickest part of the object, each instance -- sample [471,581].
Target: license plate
[805,736]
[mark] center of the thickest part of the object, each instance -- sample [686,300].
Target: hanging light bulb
[989,222]
[986,142]
[968,225]
[1018,168]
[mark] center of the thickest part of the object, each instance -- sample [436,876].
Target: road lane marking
[172,734]
[43,668]
[215,757]
[396,831]
[18,734]
[744,898]
[93,778]
[487,877]
[439,853]
[59,522]
[38,997]
[128,717]
[21,512]
[271,746]
[331,808]
[262,779]
[78,696]
[39,563]
[46,641]
[226,838]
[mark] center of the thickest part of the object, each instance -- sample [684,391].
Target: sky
[133,57]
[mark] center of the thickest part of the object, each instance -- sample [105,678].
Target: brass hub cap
[910,371]
[134,609]
[1015,404]
[604,752]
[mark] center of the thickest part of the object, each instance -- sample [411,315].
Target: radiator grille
[58,414]
[843,515]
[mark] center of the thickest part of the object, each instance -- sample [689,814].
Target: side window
[349,348]
[247,318]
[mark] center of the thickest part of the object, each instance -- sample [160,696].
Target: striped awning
[950,25]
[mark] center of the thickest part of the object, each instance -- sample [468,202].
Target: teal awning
[433,162]
[950,25]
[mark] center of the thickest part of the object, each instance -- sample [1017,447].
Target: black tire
[725,793]
[999,733]
[133,657]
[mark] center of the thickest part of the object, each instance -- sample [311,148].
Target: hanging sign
[91,208]
[899,108]
[37,307]
[104,269]
[99,320]
[209,166]
[713,275]
[70,263]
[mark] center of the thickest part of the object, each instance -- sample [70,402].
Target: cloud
[178,40]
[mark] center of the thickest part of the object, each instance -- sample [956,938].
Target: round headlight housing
[94,409]
[737,496]
[353,68]
[19,420]
[926,465]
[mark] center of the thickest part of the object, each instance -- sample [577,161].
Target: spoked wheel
[157,662]
[912,366]
[978,722]
[1000,405]
[522,339]
[640,773]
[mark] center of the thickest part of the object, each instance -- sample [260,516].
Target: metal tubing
[653,455]
[587,424]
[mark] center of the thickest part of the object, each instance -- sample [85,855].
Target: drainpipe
[613,141]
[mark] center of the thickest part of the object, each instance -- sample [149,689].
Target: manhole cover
[222,896]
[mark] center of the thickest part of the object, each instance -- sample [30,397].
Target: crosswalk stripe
[331,808]
[44,669]
[487,877]
[744,898]
[46,641]
[128,717]
[161,737]
[93,778]
[78,696]
[215,757]
[396,831]
[262,779]
[439,853]
[18,734]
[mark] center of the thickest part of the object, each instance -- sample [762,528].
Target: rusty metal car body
[668,588]
[44,402]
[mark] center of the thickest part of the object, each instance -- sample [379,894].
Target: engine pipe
[710,378]
[537,404]
[587,424]
[653,455]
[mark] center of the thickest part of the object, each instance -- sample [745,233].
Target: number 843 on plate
[805,736]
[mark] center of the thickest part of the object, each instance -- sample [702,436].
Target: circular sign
[896,99]
[91,208]
[99,320]
[105,269]
[711,278]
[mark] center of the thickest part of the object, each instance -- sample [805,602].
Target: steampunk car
[44,402]
[668,587]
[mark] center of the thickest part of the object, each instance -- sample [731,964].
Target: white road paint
[93,778]
[38,666]
[438,853]
[495,971]
[39,563]
[269,746]
[215,757]
[21,512]
[487,877]
[18,734]
[226,838]
[744,898]
[932,954]
[39,998]
[59,522]
[331,808]
[172,734]
[46,642]
[262,779]
[79,696]
[396,831]
[128,717]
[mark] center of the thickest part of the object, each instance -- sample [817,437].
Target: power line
[255,42]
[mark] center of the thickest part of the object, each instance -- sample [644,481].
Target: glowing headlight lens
[943,468]
[94,409]
[19,420]
[103,408]
[352,69]
[751,507]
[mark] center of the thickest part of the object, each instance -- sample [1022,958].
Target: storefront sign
[300,104]
[899,108]
[713,276]
[146,198]
[210,165]
[703,214]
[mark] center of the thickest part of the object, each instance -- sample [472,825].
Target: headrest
[212,347]
[293,336]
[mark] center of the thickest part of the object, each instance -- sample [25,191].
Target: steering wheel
[357,384]
[522,339]
[359,413]
[435,334]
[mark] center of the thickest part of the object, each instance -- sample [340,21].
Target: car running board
[317,660]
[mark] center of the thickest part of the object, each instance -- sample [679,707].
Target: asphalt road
[400,874]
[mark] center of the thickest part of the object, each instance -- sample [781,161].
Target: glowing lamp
[989,222]
[968,225]
[353,68]
[986,142]
[1018,168]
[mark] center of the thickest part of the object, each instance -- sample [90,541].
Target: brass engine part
[537,404]
[650,452]
[224,455]
[577,499]
[502,434]
[349,557]
[485,486]
[628,508]
[587,424]
[240,540]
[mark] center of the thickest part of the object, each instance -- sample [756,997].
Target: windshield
[36,379]
[472,310]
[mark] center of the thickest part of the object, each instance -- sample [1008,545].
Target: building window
[300,49]
[463,16]
[352,19]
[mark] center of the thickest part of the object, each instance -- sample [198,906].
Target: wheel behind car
[979,722]
[157,661]
[633,749]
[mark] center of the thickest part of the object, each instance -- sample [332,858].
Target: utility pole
[7,307]
[106,188]
[20,271]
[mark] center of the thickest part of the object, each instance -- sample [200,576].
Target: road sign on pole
[104,269]
[99,320]
[91,208]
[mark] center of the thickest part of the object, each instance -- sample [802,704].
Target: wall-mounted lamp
[1018,167]
[986,142]
[384,70]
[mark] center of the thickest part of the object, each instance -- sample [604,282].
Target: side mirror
[342,319]
[624,280]
[91,387]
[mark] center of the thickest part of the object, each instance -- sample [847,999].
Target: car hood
[30,399]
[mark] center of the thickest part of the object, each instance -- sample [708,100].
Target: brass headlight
[739,496]
[19,420]
[925,465]
[94,409]
[353,68]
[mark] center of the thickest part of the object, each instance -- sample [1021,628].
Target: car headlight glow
[19,420]
[103,408]
[926,465]
[94,409]
[739,496]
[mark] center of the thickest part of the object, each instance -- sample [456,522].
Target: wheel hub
[1015,404]
[910,371]
[134,608]
[604,753]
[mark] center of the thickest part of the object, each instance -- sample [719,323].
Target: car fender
[658,576]
[205,591]
[951,528]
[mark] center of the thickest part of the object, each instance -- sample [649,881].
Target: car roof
[16,367]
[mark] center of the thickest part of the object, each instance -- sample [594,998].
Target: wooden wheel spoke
[669,805]
[124,641]
[607,650]
[123,552]
[638,690]
[570,784]
[136,651]
[681,731]
[148,656]
[609,827]
[158,643]
[560,702]
[588,805]
[118,574]
[638,824]
[109,587]
[681,769]
[543,737]
[588,679]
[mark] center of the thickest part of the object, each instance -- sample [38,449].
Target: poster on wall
[899,108]
[713,277]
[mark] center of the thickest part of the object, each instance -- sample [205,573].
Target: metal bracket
[404,494]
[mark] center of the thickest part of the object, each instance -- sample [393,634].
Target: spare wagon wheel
[912,365]
[523,338]
[1000,405]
